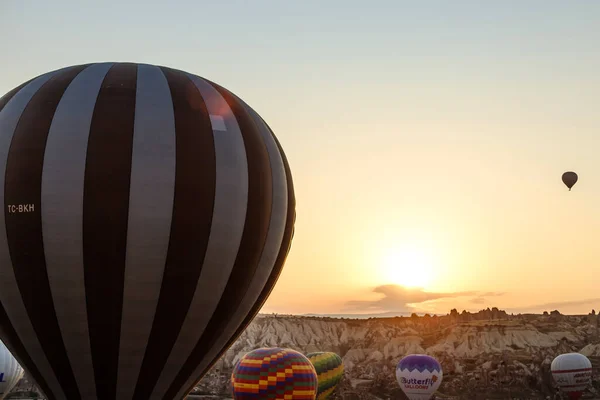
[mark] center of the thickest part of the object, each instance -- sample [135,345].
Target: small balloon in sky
[569,178]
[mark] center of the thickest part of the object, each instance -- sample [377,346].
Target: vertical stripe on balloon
[150,210]
[231,193]
[217,351]
[22,189]
[254,237]
[195,178]
[62,218]
[250,273]
[105,217]
[10,296]
[7,331]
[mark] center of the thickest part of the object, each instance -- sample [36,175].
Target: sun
[408,266]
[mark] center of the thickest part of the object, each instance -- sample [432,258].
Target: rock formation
[488,353]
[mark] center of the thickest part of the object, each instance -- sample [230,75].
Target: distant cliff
[486,352]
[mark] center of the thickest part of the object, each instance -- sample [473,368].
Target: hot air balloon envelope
[569,179]
[10,371]
[330,371]
[274,373]
[419,376]
[148,213]
[572,373]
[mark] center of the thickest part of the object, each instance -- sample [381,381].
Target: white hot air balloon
[419,376]
[10,371]
[572,372]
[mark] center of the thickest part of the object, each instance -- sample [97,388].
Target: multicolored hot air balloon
[572,373]
[10,371]
[330,371]
[274,374]
[148,213]
[569,178]
[419,376]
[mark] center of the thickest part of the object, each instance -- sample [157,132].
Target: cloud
[557,305]
[492,294]
[481,299]
[396,298]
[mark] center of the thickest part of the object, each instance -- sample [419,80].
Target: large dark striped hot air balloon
[147,215]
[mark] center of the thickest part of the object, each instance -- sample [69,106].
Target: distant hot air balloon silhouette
[569,179]
[148,213]
[10,371]
[419,376]
[572,373]
[330,371]
[274,373]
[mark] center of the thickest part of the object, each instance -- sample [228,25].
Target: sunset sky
[426,138]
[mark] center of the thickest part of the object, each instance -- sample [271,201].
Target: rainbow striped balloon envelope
[330,372]
[274,373]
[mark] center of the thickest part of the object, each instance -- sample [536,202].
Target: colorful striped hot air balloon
[274,374]
[330,371]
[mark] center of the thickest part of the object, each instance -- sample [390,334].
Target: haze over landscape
[426,139]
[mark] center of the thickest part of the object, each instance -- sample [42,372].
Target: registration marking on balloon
[20,208]
[583,376]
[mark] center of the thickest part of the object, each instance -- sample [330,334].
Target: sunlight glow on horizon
[409,266]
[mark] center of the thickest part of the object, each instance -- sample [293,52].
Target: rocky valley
[485,355]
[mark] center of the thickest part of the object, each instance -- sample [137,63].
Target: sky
[426,139]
